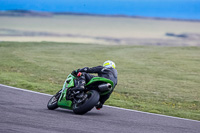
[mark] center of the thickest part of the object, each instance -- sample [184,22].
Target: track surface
[26,112]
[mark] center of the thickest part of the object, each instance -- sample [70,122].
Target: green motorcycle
[80,101]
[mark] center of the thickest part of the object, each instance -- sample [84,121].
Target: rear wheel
[91,100]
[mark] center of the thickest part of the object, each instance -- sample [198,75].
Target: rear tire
[92,100]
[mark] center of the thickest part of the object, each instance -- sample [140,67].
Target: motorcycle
[80,101]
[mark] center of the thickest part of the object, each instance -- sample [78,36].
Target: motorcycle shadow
[90,113]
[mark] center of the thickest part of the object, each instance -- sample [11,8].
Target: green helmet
[109,64]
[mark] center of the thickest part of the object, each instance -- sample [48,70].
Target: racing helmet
[109,64]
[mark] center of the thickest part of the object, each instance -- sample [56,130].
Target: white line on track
[104,105]
[25,90]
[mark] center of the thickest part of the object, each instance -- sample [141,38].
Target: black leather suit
[109,73]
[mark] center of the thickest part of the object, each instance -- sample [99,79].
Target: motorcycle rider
[106,71]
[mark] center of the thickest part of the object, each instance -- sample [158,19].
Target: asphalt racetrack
[22,111]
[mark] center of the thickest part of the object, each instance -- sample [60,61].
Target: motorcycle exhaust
[105,87]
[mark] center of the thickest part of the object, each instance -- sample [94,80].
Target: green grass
[163,80]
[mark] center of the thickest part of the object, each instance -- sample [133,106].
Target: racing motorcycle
[80,101]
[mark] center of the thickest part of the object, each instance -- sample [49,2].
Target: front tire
[91,101]
[53,102]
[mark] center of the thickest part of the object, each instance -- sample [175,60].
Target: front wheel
[53,102]
[91,100]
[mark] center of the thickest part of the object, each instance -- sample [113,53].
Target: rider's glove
[74,73]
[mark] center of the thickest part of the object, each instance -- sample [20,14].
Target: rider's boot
[99,106]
